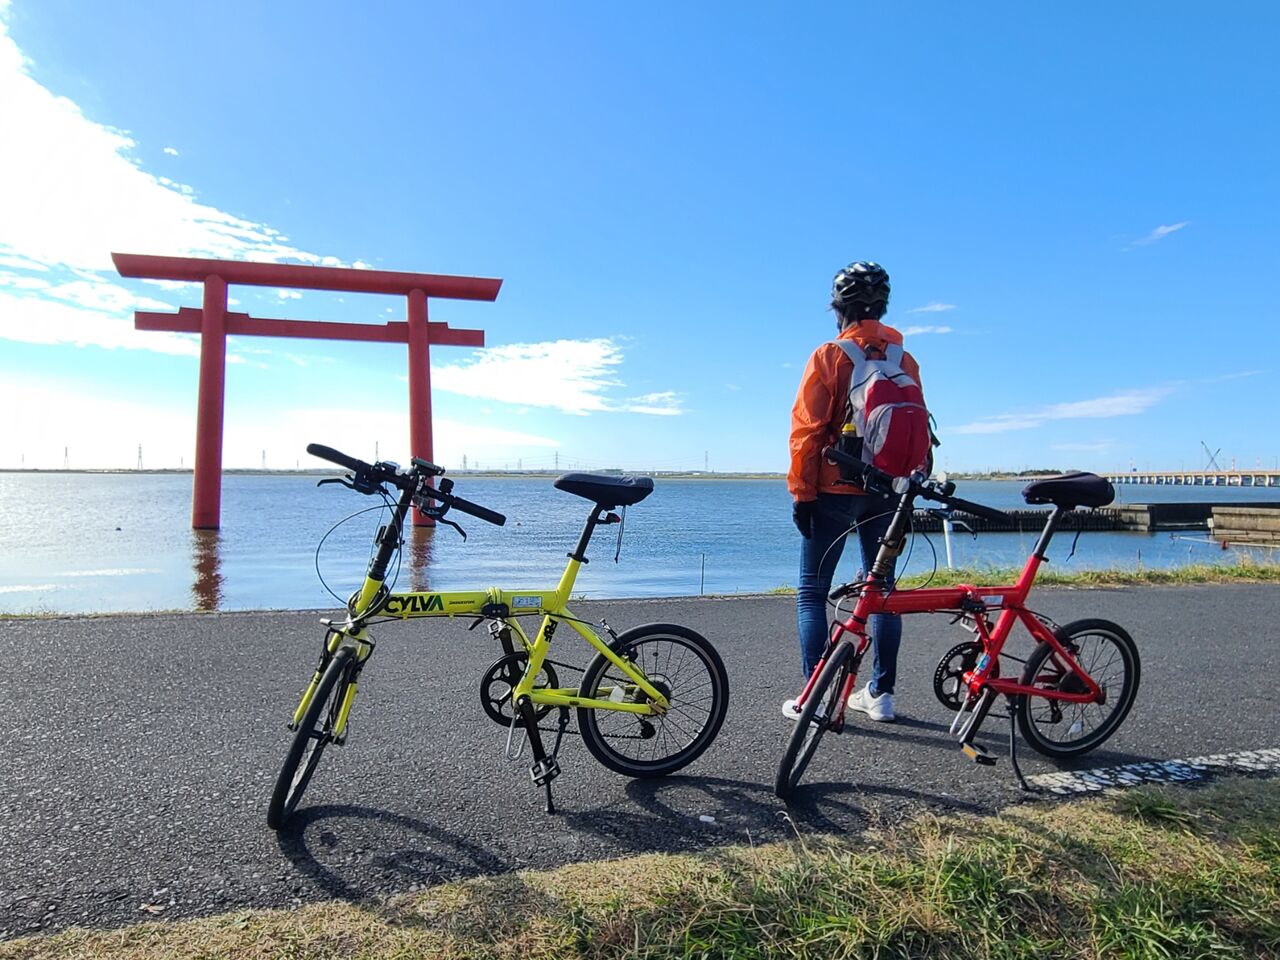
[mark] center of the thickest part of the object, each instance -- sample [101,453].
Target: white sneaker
[878,708]
[791,710]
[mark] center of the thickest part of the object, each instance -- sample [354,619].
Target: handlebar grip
[978,510]
[335,456]
[483,513]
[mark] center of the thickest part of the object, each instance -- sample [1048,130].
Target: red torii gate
[213,322]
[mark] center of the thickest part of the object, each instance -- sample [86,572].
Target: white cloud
[72,191]
[573,376]
[934,307]
[915,331]
[34,320]
[171,151]
[105,297]
[1159,233]
[665,404]
[1127,403]
[288,294]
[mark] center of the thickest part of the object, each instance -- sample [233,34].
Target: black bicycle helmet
[861,290]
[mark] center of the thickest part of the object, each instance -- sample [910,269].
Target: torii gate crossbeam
[214,323]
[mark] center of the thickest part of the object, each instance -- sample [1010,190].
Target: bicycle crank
[501,678]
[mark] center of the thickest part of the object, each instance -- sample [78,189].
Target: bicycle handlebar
[369,475]
[874,480]
[336,456]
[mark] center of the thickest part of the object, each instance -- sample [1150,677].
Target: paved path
[138,752]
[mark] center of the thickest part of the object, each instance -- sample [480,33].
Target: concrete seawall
[1255,523]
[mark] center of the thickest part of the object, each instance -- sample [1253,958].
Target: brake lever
[339,480]
[437,514]
[450,523]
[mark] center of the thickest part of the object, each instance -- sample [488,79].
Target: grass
[1245,569]
[1150,873]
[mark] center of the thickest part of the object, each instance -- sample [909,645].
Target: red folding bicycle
[1075,689]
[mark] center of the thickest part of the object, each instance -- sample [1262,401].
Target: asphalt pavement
[138,752]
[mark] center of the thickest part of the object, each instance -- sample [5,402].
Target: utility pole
[139,466]
[66,458]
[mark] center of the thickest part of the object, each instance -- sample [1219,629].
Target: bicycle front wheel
[687,670]
[816,717]
[314,733]
[1060,729]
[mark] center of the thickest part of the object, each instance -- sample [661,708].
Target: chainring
[501,678]
[948,679]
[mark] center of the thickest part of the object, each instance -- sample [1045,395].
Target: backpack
[886,407]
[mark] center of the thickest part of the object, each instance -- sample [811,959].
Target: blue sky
[1078,205]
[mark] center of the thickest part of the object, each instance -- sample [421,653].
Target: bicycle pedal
[978,754]
[542,772]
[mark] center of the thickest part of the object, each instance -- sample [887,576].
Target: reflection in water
[420,541]
[206,592]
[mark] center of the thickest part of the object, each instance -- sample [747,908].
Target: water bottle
[849,444]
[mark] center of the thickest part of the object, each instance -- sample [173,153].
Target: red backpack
[886,407]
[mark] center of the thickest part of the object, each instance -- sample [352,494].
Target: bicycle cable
[854,526]
[329,532]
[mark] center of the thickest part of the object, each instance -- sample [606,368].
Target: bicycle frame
[876,597]
[374,600]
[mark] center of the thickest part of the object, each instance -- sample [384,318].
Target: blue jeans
[819,554]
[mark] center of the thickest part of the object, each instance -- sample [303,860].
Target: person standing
[825,508]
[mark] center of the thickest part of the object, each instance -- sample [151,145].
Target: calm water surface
[77,543]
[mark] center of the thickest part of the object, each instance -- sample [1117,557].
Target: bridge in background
[1200,478]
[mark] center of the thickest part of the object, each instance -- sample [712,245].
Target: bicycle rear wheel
[1060,729]
[686,668]
[314,733]
[822,705]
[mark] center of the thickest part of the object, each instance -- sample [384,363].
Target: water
[81,543]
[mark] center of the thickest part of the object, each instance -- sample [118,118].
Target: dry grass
[1166,872]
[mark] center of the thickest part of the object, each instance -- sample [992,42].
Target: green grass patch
[1150,873]
[1245,569]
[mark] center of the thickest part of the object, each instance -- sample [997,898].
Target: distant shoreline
[490,474]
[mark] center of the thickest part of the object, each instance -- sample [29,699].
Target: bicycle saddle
[606,492]
[1070,490]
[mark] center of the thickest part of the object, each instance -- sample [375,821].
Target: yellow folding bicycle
[649,703]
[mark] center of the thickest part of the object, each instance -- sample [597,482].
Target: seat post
[580,552]
[1050,527]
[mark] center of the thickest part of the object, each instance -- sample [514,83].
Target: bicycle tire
[1035,714]
[314,733]
[686,697]
[812,725]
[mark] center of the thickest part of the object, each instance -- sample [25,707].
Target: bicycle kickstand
[1013,750]
[555,752]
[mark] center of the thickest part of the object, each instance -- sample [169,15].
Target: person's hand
[802,513]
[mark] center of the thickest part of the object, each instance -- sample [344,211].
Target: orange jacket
[820,405]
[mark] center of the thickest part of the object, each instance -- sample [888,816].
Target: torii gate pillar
[214,324]
[206,492]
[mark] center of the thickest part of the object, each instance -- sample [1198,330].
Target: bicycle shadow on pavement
[350,867]
[677,814]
